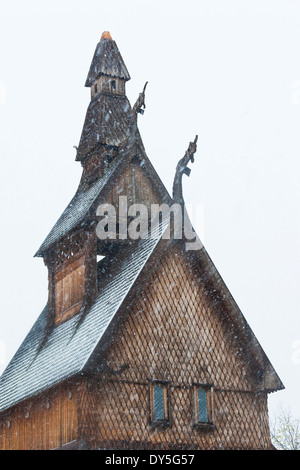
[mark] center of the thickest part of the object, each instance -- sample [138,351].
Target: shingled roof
[107,61]
[71,344]
[108,122]
[77,208]
[84,200]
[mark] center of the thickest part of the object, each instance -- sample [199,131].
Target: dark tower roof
[107,61]
[109,116]
[108,122]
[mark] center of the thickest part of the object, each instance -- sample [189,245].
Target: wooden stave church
[150,319]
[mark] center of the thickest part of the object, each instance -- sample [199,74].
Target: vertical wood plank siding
[45,422]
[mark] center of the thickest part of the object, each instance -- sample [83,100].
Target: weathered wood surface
[174,333]
[44,422]
[171,332]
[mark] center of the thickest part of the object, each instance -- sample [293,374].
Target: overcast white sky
[226,70]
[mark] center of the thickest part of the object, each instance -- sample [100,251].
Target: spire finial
[106,35]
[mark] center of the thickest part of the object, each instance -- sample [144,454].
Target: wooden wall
[44,422]
[136,186]
[174,333]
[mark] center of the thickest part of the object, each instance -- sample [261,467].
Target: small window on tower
[159,406]
[113,85]
[96,88]
[109,158]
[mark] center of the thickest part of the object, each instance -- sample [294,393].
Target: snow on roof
[71,343]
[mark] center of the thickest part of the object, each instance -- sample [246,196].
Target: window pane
[202,406]
[159,403]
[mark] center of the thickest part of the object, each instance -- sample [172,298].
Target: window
[159,403]
[96,88]
[203,406]
[109,158]
[113,85]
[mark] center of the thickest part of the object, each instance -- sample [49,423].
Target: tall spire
[109,117]
[107,61]
[106,35]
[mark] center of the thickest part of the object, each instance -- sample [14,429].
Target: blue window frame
[203,405]
[159,403]
[159,412]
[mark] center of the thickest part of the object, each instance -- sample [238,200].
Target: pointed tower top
[106,35]
[107,61]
